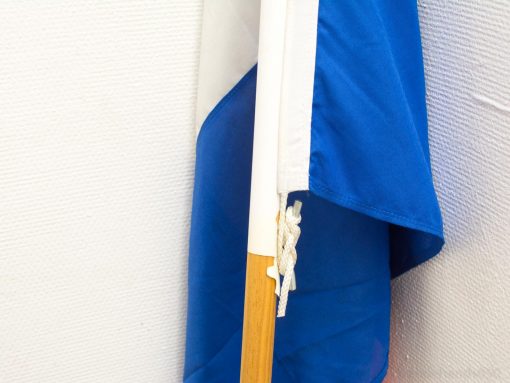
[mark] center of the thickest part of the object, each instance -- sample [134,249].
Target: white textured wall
[451,317]
[96,162]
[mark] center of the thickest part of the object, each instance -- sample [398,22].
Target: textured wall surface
[451,316]
[96,163]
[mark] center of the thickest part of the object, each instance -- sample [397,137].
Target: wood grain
[259,321]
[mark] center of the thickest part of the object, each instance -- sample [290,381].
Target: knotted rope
[288,235]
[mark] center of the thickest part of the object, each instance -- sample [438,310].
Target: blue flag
[353,148]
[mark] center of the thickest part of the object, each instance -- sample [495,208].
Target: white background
[96,162]
[96,167]
[451,317]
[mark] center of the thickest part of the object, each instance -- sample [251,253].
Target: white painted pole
[260,300]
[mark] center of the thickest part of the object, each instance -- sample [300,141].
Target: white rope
[288,235]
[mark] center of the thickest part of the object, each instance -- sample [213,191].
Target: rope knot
[288,235]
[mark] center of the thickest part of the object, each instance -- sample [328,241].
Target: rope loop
[288,235]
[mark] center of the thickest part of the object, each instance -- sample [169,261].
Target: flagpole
[260,297]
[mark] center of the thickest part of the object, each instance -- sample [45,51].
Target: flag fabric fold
[353,148]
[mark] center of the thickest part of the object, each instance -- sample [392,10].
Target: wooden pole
[260,299]
[259,321]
